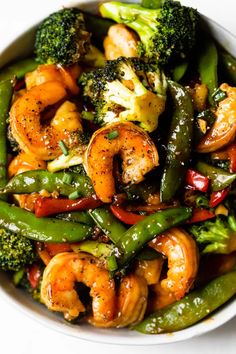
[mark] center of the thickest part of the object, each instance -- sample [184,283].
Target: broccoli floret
[217,235]
[62,38]
[126,89]
[15,251]
[165,33]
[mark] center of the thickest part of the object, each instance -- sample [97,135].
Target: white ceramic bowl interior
[21,301]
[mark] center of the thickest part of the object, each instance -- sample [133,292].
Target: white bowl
[23,302]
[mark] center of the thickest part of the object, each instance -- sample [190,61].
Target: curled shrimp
[51,72]
[150,270]
[120,42]
[137,151]
[108,308]
[21,163]
[34,137]
[223,130]
[183,259]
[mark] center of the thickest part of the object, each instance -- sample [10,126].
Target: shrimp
[120,42]
[159,298]
[21,163]
[223,130]
[108,308]
[51,72]
[150,269]
[183,259]
[33,137]
[136,149]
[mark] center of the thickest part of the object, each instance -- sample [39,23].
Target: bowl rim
[106,336]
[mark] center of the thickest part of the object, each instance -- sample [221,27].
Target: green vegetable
[112,135]
[63,147]
[152,4]
[165,33]
[23,283]
[6,90]
[22,222]
[148,254]
[207,65]
[219,95]
[192,308]
[15,251]
[62,38]
[109,224]
[18,69]
[74,195]
[179,70]
[217,235]
[136,237]
[82,217]
[220,178]
[228,67]
[98,27]
[179,144]
[37,180]
[107,92]
[94,58]
[74,157]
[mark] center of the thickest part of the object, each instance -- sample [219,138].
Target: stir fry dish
[118,167]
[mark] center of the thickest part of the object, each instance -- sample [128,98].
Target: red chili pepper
[126,216]
[197,180]
[33,275]
[48,206]
[217,197]
[232,157]
[55,248]
[200,214]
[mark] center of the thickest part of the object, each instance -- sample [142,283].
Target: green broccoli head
[62,38]
[165,33]
[217,235]
[15,251]
[126,89]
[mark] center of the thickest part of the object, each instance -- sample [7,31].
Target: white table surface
[21,335]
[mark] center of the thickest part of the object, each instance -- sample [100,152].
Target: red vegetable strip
[200,214]
[126,216]
[55,248]
[197,180]
[217,197]
[33,275]
[49,206]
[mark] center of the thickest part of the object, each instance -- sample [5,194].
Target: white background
[21,335]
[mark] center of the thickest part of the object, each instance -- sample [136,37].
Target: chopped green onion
[67,179]
[219,95]
[208,116]
[112,135]
[74,195]
[111,263]
[87,115]
[63,147]
[202,202]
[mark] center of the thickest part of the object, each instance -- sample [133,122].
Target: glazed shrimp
[150,270]
[223,130]
[21,163]
[137,151]
[60,275]
[120,42]
[33,137]
[108,308]
[51,72]
[183,259]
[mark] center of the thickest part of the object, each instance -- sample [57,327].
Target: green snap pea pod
[207,65]
[37,180]
[113,228]
[6,90]
[179,70]
[192,308]
[26,224]
[152,4]
[82,217]
[179,143]
[228,66]
[135,238]
[18,69]
[220,178]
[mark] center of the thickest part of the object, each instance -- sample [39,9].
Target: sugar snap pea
[26,224]
[192,308]
[228,67]
[18,69]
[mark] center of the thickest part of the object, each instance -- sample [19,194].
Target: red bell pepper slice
[200,214]
[33,275]
[197,180]
[49,206]
[217,197]
[126,216]
[55,248]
